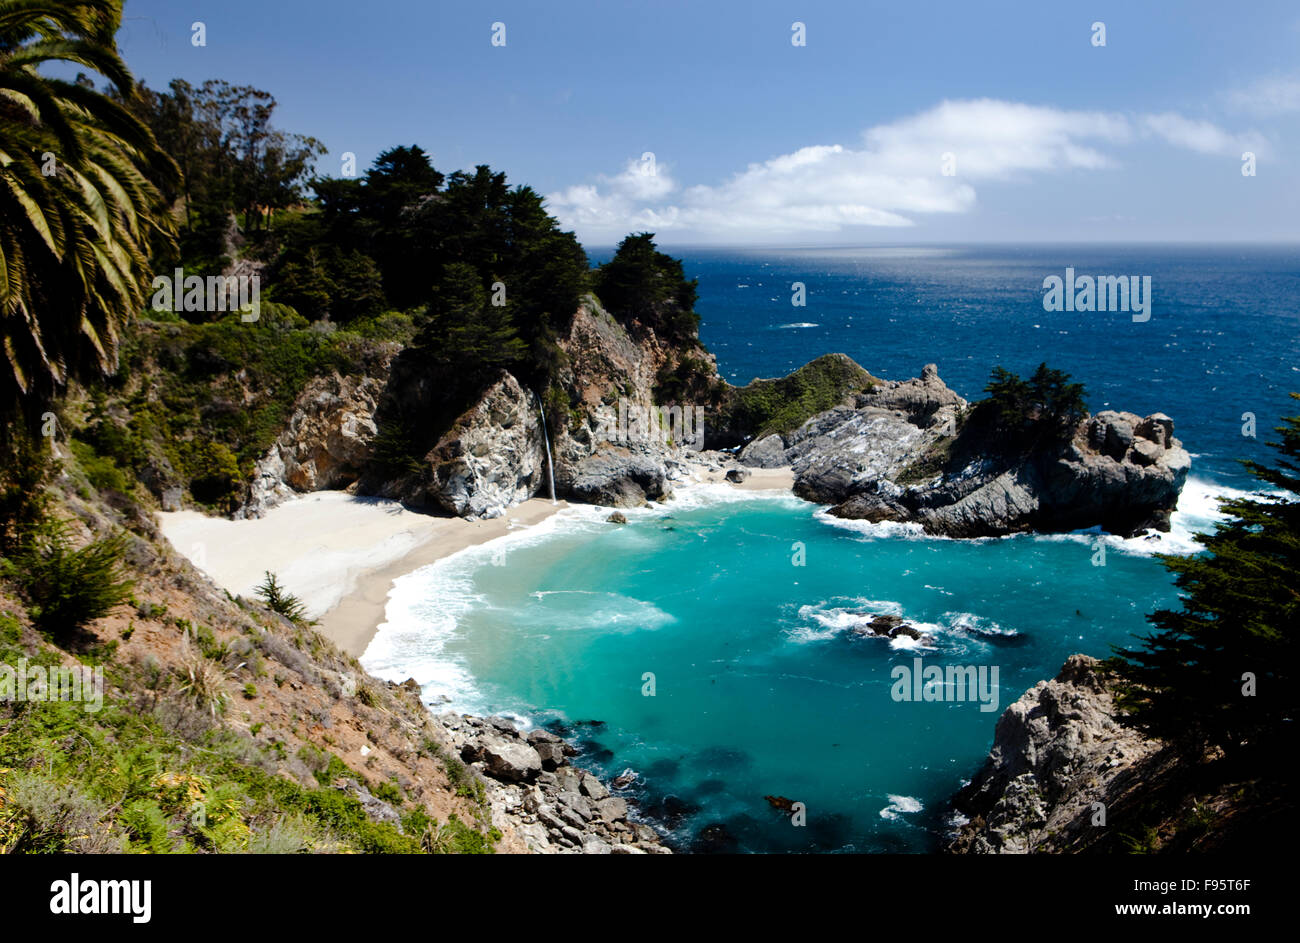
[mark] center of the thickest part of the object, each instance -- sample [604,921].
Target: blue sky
[757,141]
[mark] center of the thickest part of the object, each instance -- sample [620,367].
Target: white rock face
[324,445]
[494,456]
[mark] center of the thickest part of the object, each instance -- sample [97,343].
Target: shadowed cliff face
[1066,774]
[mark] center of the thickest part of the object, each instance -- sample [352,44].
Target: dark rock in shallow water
[624,779]
[594,751]
[671,809]
[618,517]
[780,802]
[888,626]
[721,758]
[715,839]
[663,770]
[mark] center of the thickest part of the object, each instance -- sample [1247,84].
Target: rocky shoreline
[898,453]
[534,792]
[1061,772]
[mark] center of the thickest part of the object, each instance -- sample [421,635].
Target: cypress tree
[1220,671]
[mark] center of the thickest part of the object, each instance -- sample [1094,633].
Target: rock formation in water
[897,454]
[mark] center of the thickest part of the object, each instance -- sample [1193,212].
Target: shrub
[203,682]
[54,817]
[278,600]
[292,834]
[68,588]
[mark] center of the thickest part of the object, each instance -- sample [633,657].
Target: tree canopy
[1220,670]
[644,285]
[80,213]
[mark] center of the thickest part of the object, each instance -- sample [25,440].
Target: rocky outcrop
[492,458]
[325,444]
[554,807]
[614,451]
[851,449]
[1060,767]
[493,455]
[895,455]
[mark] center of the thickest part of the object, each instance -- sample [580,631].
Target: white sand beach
[338,553]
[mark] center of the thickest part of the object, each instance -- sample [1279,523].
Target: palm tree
[78,206]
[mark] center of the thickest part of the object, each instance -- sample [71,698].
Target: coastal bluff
[1067,773]
[1057,753]
[907,451]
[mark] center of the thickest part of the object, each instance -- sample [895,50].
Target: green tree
[1186,682]
[1026,414]
[65,587]
[278,599]
[643,284]
[78,205]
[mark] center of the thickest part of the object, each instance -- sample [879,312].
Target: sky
[702,121]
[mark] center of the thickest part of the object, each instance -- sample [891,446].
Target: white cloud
[1269,97]
[895,176]
[619,202]
[1201,136]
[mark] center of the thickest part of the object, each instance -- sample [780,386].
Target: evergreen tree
[1026,414]
[1189,682]
[641,283]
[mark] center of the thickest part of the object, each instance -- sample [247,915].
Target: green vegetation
[1187,682]
[278,600]
[783,405]
[80,213]
[151,772]
[642,285]
[1023,414]
[933,461]
[66,588]
[196,405]
[231,158]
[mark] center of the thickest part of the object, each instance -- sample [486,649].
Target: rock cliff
[325,445]
[1057,753]
[610,445]
[897,454]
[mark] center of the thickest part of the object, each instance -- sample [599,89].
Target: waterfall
[546,440]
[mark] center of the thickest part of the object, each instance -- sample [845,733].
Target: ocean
[708,644]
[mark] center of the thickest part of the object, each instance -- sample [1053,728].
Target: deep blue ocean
[707,644]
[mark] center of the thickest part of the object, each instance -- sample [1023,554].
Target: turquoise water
[760,686]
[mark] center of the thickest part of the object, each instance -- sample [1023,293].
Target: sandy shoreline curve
[337,552]
[340,553]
